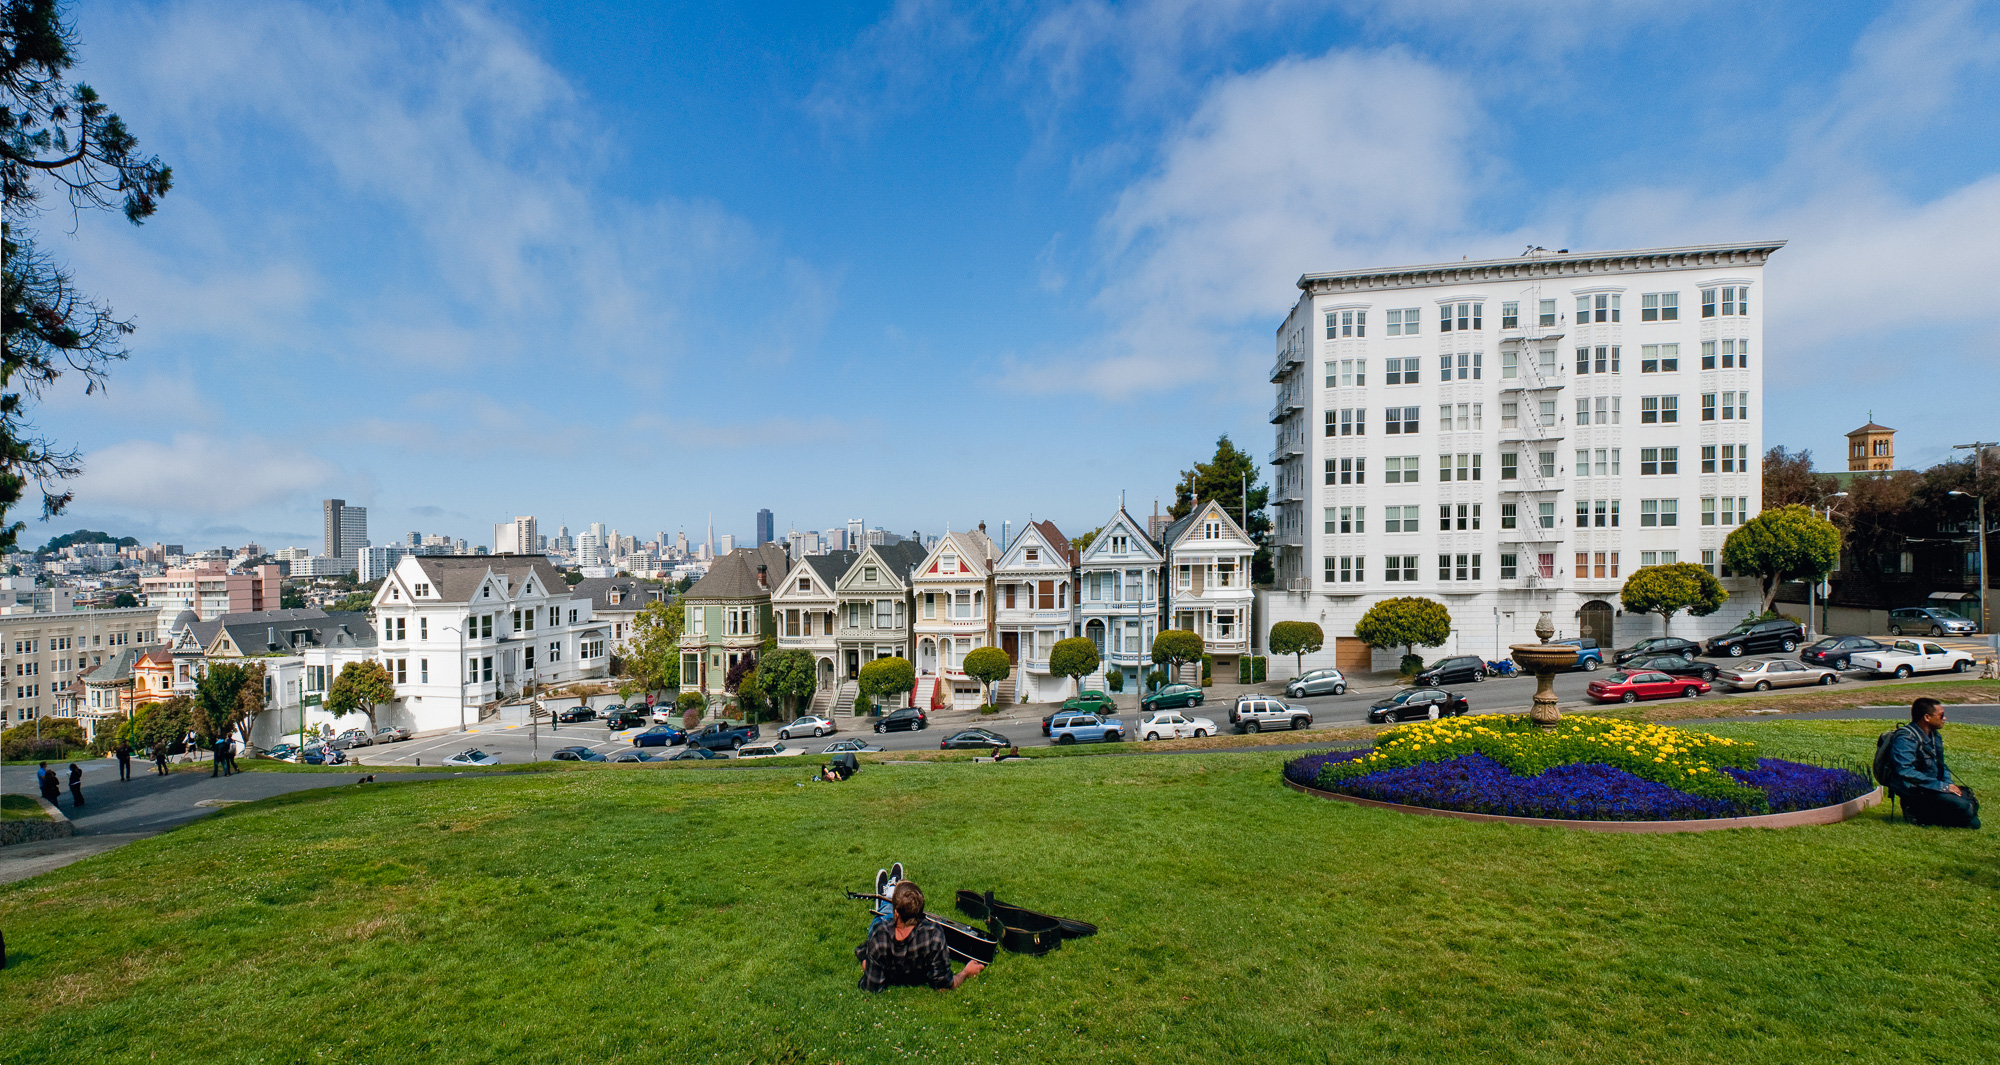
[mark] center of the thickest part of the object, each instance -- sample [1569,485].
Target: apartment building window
[1545,514]
[1346,373]
[1510,415]
[1735,354]
[1659,461]
[1510,365]
[1508,519]
[1346,569]
[1343,521]
[1658,558]
[1400,519]
[1466,464]
[1659,358]
[1735,509]
[1343,324]
[1735,301]
[1509,566]
[1400,469]
[1510,316]
[1660,307]
[1582,564]
[486,668]
[1659,512]
[1403,321]
[1610,410]
[1546,313]
[1548,462]
[1401,372]
[1467,317]
[1458,567]
[1659,409]
[1400,420]
[1467,516]
[1509,466]
[1347,421]
[1708,510]
[1735,406]
[1400,568]
[1708,562]
[1598,307]
[1347,471]
[1736,458]
[1471,365]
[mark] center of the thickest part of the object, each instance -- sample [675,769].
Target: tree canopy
[1222,478]
[989,666]
[1789,543]
[653,654]
[359,687]
[886,679]
[225,695]
[54,137]
[1409,622]
[1074,658]
[1670,589]
[1175,648]
[789,675]
[1789,479]
[1296,638]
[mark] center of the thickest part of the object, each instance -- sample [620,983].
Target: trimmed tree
[886,677]
[358,688]
[1786,544]
[1075,658]
[1175,648]
[1409,622]
[1296,638]
[1668,590]
[788,676]
[989,666]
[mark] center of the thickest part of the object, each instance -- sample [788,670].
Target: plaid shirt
[915,961]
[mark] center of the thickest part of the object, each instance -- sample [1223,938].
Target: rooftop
[1540,263]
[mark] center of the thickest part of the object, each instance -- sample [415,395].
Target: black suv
[1778,634]
[1454,670]
[624,718]
[906,718]
[575,714]
[1658,645]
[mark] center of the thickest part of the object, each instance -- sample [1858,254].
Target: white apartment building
[43,654]
[1514,436]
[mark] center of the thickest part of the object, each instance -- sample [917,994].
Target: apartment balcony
[1532,334]
[1289,447]
[1287,361]
[1290,494]
[1286,407]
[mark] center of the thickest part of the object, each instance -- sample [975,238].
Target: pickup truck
[1256,713]
[1589,656]
[1067,727]
[722,735]
[1905,657]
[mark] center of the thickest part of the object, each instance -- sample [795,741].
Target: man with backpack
[1909,762]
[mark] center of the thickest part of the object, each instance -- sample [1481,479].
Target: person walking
[75,785]
[124,762]
[160,759]
[229,754]
[51,787]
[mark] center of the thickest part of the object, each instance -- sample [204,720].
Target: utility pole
[1978,449]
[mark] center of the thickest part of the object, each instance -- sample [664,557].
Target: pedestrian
[75,785]
[160,759]
[229,748]
[124,762]
[51,787]
[1918,775]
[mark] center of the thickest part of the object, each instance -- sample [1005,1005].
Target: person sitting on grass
[908,951]
[1919,777]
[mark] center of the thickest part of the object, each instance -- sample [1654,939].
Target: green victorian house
[728,617]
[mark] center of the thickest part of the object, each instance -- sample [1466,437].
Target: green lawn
[673,916]
[21,808]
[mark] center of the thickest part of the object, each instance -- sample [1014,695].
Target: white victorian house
[1118,604]
[1208,563]
[803,608]
[1034,605]
[954,594]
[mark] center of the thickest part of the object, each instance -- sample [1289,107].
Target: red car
[1632,687]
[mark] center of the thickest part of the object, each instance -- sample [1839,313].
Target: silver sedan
[1776,673]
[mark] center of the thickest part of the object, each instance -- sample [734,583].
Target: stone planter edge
[1823,815]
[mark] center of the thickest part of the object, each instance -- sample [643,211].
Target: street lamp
[1812,587]
[1981,500]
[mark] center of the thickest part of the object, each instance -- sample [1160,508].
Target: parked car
[322,754]
[1776,673]
[284,752]
[1589,656]
[1090,702]
[722,734]
[1624,687]
[1657,645]
[661,736]
[472,756]
[1431,703]
[1170,725]
[768,749]
[975,739]
[808,725]
[1070,727]
[391,734]
[1171,696]
[632,754]
[350,739]
[1777,634]
[1835,651]
[693,754]
[576,754]
[1454,670]
[1930,621]
[1255,713]
[908,718]
[1313,682]
[1672,665]
[848,747]
[577,713]
[620,717]
[663,714]
[1913,656]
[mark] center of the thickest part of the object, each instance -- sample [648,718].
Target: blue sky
[929,263]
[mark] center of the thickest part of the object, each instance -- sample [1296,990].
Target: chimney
[763,581]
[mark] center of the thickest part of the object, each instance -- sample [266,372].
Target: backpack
[1882,769]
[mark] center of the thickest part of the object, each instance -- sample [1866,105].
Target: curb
[1824,815]
[56,827]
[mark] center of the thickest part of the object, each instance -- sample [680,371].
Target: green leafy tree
[1075,658]
[789,676]
[218,698]
[1296,638]
[1223,478]
[124,599]
[653,654]
[885,678]
[989,666]
[1789,479]
[166,724]
[1079,543]
[359,687]
[1409,622]
[1786,544]
[691,705]
[1175,648]
[355,602]
[60,138]
[1668,590]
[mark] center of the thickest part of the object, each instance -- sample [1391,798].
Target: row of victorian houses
[935,605]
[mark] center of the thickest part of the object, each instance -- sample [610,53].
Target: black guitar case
[1022,931]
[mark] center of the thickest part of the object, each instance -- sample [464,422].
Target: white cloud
[202,476]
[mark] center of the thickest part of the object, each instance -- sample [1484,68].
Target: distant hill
[87,536]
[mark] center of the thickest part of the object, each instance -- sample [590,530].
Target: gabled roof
[830,566]
[734,575]
[456,578]
[119,668]
[263,631]
[631,593]
[976,554]
[1136,527]
[1045,534]
[1179,530]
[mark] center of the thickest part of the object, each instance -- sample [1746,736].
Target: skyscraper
[345,529]
[517,537]
[766,528]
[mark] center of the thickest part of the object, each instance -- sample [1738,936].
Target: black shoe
[896,872]
[881,881]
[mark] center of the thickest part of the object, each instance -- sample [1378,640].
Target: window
[1341,324]
[1735,354]
[1545,514]
[1510,415]
[1660,307]
[1346,471]
[1508,519]
[1346,373]
[1509,564]
[1400,568]
[1708,562]
[1735,301]
[1548,462]
[1471,365]
[1546,313]
[1659,409]
[1610,409]
[1458,567]
[1400,469]
[1708,510]
[1659,358]
[1401,372]
[1659,512]
[1400,519]
[1467,316]
[1510,365]
[1583,462]
[1403,322]
[1735,509]
[1465,514]
[1600,359]
[1735,458]
[1400,420]
[1348,421]
[1510,316]
[1346,569]
[1659,461]
[1339,520]
[1509,466]
[1598,307]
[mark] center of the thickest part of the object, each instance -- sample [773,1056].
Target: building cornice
[1543,265]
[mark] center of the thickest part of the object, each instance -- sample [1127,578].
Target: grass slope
[683,916]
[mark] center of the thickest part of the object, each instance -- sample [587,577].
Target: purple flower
[1793,786]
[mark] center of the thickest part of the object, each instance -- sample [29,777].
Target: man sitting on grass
[1919,777]
[909,951]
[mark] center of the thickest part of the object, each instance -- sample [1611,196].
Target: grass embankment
[21,808]
[682,916]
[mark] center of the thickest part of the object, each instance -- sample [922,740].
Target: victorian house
[1119,604]
[1208,563]
[1033,607]
[872,612]
[728,617]
[803,608]
[954,597]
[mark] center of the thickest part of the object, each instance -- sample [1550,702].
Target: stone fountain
[1543,660]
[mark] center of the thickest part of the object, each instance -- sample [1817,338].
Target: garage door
[1352,655]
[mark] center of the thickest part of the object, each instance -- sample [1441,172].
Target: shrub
[988,708]
[1115,680]
[58,737]
[1156,680]
[1207,670]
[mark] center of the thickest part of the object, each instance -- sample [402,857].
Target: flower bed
[1586,769]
